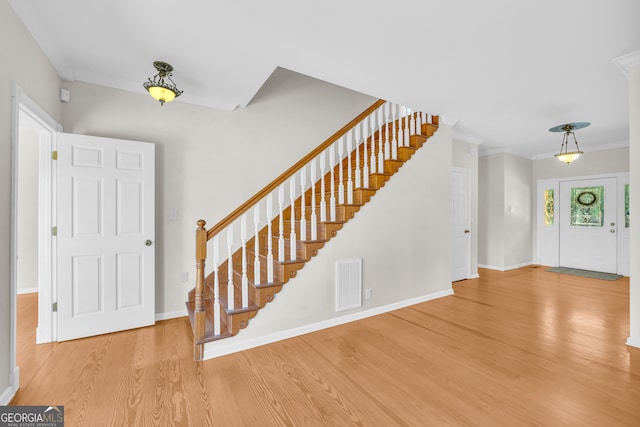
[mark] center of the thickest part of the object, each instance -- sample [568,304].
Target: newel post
[199,310]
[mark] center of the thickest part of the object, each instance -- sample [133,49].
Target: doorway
[460,217]
[583,222]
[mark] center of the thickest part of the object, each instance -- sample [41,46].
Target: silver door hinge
[54,307]
[54,154]
[54,231]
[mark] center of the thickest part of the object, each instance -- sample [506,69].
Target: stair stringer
[406,248]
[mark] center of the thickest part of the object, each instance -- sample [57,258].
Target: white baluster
[216,287]
[340,171]
[380,143]
[231,296]
[281,224]
[387,144]
[412,124]
[323,202]
[406,127]
[269,239]
[303,213]
[243,242]
[394,140]
[314,218]
[256,246]
[349,177]
[419,123]
[372,162]
[400,132]
[332,198]
[365,157]
[358,183]
[292,234]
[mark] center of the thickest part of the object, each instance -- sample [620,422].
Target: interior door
[461,253]
[588,225]
[105,229]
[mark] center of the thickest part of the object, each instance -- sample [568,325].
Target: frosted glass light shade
[161,94]
[568,157]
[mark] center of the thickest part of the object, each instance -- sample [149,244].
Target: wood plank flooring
[524,347]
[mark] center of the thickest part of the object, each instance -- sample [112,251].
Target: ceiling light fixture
[158,88]
[565,155]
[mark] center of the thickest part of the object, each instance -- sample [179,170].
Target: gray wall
[208,162]
[504,211]
[403,237]
[23,64]
[27,220]
[590,163]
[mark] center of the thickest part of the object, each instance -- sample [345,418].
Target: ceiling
[503,72]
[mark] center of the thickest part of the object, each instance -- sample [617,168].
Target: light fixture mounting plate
[163,67]
[569,127]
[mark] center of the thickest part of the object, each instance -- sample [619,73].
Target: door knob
[466,231]
[148,243]
[613,223]
[612,231]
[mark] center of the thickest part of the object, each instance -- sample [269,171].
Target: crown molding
[625,62]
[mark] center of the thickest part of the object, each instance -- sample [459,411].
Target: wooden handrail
[289,172]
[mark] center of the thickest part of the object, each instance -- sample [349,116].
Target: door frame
[23,104]
[548,238]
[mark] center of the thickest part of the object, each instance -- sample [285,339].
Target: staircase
[276,232]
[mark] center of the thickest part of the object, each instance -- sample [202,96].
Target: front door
[105,228]
[588,225]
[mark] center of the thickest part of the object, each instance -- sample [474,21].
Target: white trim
[625,62]
[474,276]
[21,102]
[171,314]
[592,149]
[27,291]
[633,342]
[229,346]
[12,388]
[505,268]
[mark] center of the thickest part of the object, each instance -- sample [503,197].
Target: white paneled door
[589,224]
[461,249]
[105,235]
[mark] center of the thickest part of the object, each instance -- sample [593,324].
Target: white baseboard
[506,268]
[225,347]
[27,290]
[473,276]
[12,388]
[171,314]
[633,342]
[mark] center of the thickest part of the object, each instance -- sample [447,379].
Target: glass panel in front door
[587,206]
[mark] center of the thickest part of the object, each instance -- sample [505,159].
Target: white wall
[23,64]
[208,161]
[465,155]
[403,236]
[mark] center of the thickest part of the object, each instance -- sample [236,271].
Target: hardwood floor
[525,347]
